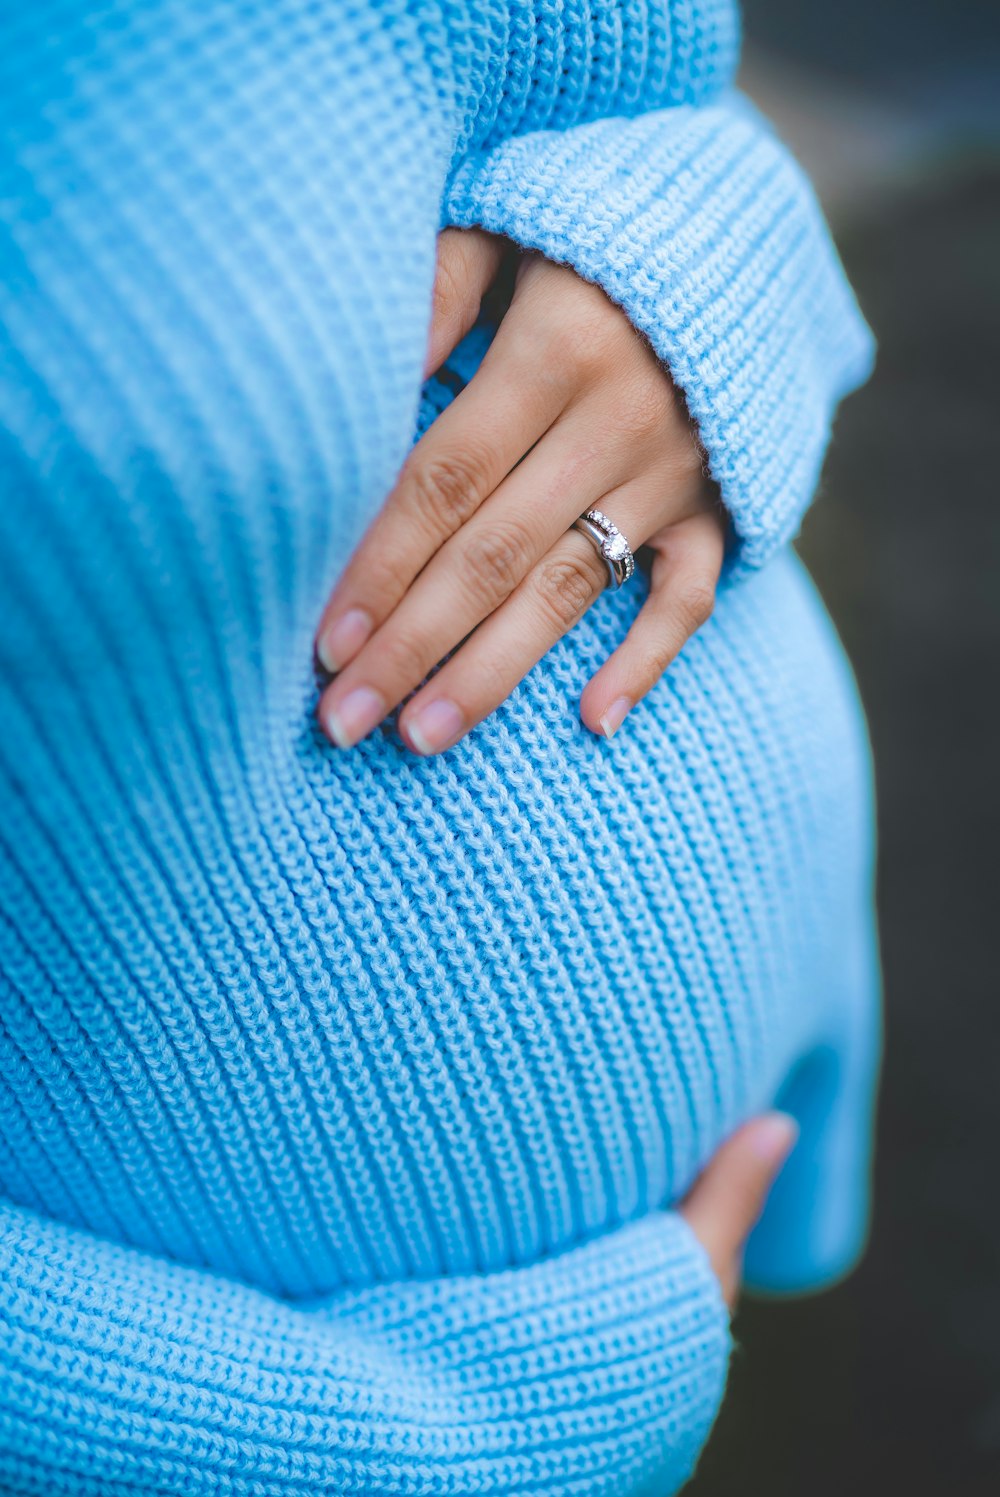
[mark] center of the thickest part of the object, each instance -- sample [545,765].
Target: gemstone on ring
[610,542]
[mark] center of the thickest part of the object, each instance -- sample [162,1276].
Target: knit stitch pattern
[756,323]
[345,1097]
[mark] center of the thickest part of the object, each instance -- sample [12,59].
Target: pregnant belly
[568,966]
[316,1017]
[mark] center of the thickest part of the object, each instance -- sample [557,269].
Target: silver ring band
[612,545]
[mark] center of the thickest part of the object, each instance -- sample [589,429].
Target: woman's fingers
[525,579]
[472,576]
[483,673]
[467,264]
[438,561]
[468,452]
[687,560]
[728,1198]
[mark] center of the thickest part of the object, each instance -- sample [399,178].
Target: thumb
[727,1199]
[467,264]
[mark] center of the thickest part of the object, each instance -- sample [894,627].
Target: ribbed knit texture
[699,223]
[344,1096]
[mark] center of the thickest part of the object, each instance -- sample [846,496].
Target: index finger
[510,402]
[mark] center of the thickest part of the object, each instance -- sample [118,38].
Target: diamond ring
[610,542]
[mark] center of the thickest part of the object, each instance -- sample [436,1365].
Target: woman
[347,1090]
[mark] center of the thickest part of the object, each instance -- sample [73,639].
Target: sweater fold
[125,1372]
[700,225]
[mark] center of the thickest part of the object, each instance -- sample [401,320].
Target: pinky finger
[687,562]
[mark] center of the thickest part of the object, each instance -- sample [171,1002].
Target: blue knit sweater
[345,1096]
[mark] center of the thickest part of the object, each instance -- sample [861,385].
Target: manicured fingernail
[342,641]
[615,716]
[774,1137]
[435,726]
[355,716]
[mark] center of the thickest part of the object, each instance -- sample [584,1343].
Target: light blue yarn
[345,1096]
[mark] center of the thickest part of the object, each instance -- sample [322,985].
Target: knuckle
[583,345]
[445,489]
[695,602]
[567,585]
[448,297]
[404,659]
[654,660]
[443,296]
[496,559]
[495,679]
[646,409]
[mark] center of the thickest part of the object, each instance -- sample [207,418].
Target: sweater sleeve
[593,1372]
[701,226]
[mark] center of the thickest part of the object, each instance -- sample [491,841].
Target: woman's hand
[569,410]
[727,1199]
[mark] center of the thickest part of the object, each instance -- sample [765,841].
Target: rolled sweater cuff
[593,1371]
[701,226]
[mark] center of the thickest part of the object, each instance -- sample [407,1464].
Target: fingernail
[355,716]
[615,716]
[435,726]
[774,1137]
[342,641]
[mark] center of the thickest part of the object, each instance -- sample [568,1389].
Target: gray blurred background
[890,1384]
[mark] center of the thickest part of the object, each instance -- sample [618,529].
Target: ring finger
[545,606]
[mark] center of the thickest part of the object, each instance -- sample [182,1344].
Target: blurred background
[890,1384]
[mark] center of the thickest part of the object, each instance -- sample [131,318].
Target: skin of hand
[472,551]
[729,1196]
